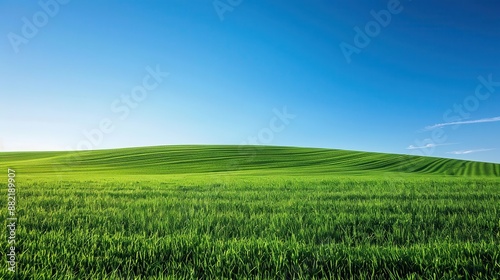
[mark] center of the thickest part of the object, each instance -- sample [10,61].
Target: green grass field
[229,212]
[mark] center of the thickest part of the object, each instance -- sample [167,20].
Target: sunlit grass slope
[231,212]
[163,160]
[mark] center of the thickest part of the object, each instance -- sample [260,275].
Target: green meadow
[251,212]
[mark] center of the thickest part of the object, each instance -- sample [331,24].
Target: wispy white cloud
[486,120]
[464,152]
[412,147]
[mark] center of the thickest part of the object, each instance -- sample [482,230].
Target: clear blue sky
[66,67]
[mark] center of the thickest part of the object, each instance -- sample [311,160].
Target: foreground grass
[219,226]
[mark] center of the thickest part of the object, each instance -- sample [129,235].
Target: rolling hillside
[230,212]
[162,160]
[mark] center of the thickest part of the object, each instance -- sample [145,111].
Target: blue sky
[407,77]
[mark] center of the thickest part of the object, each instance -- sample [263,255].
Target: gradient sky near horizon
[410,90]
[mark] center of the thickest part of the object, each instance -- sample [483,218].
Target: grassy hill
[162,160]
[231,212]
